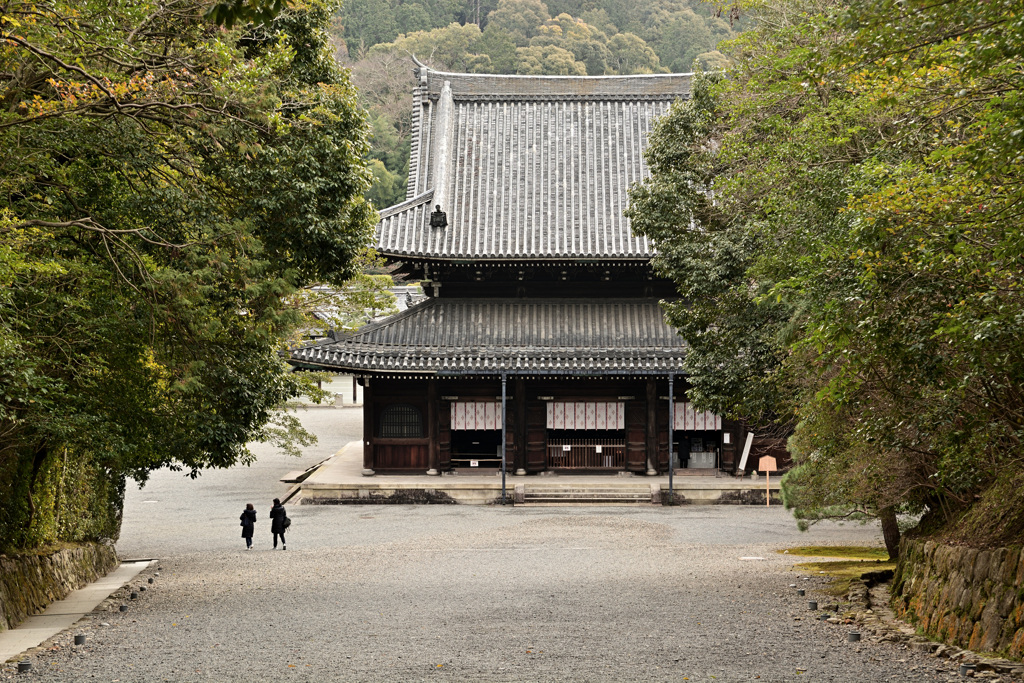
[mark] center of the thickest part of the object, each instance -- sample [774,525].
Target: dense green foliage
[166,186]
[673,32]
[577,37]
[362,299]
[854,257]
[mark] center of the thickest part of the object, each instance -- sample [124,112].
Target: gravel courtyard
[461,593]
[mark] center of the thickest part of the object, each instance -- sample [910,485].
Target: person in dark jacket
[277,523]
[248,518]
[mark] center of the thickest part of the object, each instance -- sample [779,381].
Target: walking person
[278,523]
[248,518]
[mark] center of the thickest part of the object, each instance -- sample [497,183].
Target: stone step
[595,496]
[577,497]
[571,503]
[646,490]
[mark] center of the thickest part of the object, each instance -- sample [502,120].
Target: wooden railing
[591,454]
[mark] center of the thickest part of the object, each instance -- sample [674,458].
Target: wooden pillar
[368,427]
[432,425]
[519,405]
[652,426]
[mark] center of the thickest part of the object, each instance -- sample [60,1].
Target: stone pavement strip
[64,613]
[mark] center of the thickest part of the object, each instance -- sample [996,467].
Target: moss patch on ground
[860,560]
[842,572]
[853,552]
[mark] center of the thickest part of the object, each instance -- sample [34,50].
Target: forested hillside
[375,38]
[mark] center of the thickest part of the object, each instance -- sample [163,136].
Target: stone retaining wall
[963,596]
[28,583]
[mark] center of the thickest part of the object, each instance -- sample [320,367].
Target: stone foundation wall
[963,596]
[28,583]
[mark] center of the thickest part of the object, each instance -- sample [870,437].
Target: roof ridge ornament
[420,72]
[438,218]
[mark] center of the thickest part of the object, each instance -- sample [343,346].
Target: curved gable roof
[527,167]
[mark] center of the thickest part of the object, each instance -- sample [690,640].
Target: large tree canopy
[843,216]
[166,184]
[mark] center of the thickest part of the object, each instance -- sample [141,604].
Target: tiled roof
[527,167]
[519,336]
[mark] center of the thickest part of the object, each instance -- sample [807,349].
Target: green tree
[388,186]
[586,43]
[453,47]
[411,17]
[863,160]
[683,38]
[165,185]
[629,54]
[368,22]
[519,19]
[500,49]
[599,19]
[360,300]
[549,60]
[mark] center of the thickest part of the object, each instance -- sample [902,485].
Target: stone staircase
[583,495]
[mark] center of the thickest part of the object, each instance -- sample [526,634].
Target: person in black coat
[248,518]
[277,523]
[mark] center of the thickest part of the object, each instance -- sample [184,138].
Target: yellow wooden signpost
[767,464]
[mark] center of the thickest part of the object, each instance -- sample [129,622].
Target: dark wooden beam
[519,403]
[368,427]
[432,425]
[652,425]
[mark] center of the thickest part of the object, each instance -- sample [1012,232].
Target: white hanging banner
[586,415]
[687,419]
[476,415]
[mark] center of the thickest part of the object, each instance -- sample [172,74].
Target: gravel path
[463,593]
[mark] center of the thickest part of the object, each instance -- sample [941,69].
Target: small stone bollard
[966,669]
[801,592]
[151,579]
[123,608]
[24,667]
[142,589]
[812,605]
[853,636]
[79,640]
[134,596]
[823,617]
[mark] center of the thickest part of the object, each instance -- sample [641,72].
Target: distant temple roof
[526,167]
[518,336]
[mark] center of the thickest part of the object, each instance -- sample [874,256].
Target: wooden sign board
[767,465]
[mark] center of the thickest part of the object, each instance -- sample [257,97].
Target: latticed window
[401,421]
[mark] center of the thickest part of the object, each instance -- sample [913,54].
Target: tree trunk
[38,458]
[890,531]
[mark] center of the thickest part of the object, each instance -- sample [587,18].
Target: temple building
[542,330]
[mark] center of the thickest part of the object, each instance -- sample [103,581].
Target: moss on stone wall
[29,582]
[70,498]
[964,596]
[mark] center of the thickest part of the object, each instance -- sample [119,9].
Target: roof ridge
[609,77]
[415,309]
[421,198]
